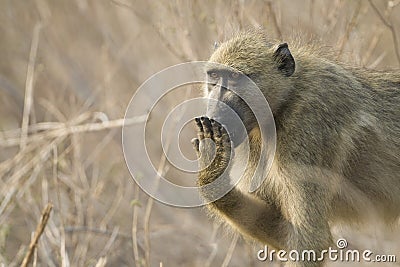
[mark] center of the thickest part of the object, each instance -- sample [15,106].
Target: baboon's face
[223,85]
[250,62]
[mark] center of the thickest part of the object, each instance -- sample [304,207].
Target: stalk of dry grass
[389,25]
[274,19]
[134,227]
[39,231]
[29,85]
[63,129]
[350,27]
[230,251]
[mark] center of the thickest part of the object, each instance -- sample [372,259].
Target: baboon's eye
[213,75]
[234,75]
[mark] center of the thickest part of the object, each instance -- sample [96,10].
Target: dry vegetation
[67,71]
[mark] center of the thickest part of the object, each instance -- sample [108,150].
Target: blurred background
[68,69]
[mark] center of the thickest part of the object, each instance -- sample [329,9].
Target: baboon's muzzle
[231,116]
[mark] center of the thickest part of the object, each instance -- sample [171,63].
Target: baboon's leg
[308,208]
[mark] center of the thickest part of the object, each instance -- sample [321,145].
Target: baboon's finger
[198,123]
[200,131]
[225,136]
[196,144]
[216,128]
[208,133]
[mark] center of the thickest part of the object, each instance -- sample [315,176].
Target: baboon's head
[249,59]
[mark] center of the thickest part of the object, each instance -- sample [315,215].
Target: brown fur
[338,146]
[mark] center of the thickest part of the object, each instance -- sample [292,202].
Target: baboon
[337,156]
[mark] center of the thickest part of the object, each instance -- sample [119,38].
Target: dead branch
[39,230]
[29,85]
[65,129]
[390,27]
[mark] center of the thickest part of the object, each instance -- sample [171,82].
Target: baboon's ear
[284,59]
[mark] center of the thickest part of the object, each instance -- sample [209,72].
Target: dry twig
[29,85]
[156,29]
[274,19]
[66,129]
[39,230]
[350,26]
[231,249]
[134,227]
[390,27]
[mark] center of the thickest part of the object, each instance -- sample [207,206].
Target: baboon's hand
[213,148]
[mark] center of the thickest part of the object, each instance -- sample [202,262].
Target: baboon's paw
[212,144]
[220,136]
[210,128]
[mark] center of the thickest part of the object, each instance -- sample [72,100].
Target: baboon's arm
[304,224]
[253,217]
[307,228]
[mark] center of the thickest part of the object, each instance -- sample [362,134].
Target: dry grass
[67,72]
